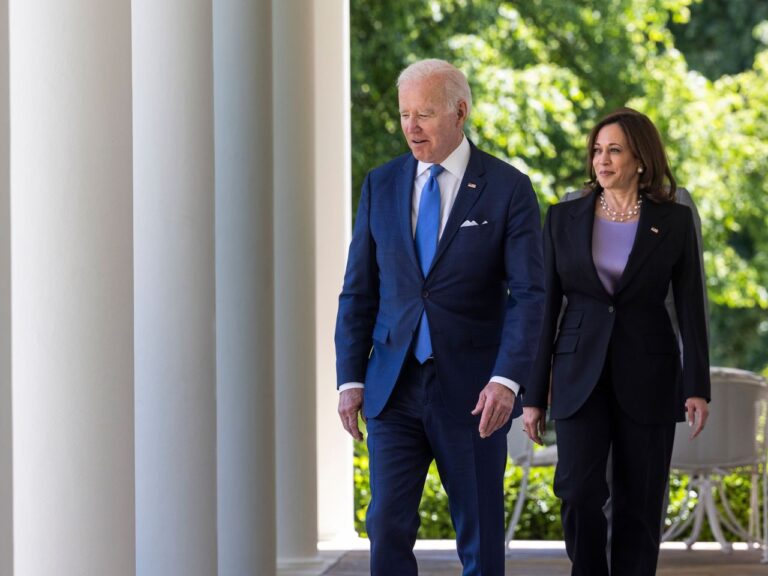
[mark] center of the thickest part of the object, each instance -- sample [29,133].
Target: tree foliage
[542,72]
[720,37]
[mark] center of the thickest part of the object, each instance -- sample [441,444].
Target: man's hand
[495,404]
[350,405]
[694,406]
[534,423]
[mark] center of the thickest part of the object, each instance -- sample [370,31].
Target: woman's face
[614,164]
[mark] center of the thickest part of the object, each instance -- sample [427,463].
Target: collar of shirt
[450,181]
[455,164]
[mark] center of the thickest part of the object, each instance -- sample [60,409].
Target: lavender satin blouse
[611,244]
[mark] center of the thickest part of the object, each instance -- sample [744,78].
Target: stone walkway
[552,561]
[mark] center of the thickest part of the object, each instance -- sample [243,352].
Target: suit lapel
[582,213]
[404,192]
[651,229]
[470,190]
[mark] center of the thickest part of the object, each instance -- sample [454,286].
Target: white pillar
[71,280]
[6,452]
[174,290]
[244,287]
[293,67]
[333,206]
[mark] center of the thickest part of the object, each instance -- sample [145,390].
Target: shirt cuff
[511,384]
[350,386]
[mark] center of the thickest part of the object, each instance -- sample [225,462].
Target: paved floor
[553,562]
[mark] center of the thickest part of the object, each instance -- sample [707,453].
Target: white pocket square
[467,223]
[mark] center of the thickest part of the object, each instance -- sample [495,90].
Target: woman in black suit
[608,349]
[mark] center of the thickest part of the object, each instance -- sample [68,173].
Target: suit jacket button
[425,294]
[610,309]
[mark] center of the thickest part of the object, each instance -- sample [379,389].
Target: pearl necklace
[620,216]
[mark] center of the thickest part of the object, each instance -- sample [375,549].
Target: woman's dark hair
[645,143]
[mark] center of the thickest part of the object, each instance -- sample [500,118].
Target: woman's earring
[640,169]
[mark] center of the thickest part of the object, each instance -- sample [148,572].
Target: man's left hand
[495,406]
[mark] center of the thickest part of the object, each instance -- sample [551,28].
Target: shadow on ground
[534,562]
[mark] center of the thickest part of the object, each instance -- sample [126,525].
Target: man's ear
[461,110]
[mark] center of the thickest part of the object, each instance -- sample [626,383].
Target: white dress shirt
[450,181]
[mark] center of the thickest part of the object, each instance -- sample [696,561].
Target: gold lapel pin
[654,230]
[471,185]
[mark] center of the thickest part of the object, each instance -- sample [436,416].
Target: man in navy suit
[438,323]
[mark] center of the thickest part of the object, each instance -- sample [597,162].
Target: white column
[6,452]
[244,287]
[174,289]
[333,206]
[71,280]
[295,384]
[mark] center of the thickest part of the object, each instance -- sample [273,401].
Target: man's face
[432,127]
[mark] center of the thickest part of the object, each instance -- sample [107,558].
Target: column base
[312,566]
[332,541]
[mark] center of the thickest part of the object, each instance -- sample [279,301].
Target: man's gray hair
[454,83]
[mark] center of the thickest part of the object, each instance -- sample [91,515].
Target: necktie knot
[435,170]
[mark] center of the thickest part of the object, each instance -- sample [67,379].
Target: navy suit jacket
[483,294]
[631,326]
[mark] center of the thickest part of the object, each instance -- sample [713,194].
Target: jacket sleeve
[524,274]
[359,299]
[684,198]
[688,291]
[537,393]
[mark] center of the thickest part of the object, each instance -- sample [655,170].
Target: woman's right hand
[534,423]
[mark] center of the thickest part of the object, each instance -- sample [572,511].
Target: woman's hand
[534,423]
[697,411]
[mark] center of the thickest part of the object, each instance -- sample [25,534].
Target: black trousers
[641,457]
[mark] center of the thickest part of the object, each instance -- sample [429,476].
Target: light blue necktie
[427,232]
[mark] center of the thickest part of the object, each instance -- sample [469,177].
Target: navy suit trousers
[413,429]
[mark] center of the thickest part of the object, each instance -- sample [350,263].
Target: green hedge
[540,519]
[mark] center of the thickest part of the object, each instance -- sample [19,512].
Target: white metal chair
[521,453]
[734,437]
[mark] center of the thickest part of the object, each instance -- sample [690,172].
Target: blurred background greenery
[542,72]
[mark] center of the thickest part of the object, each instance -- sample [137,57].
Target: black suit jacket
[632,325]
